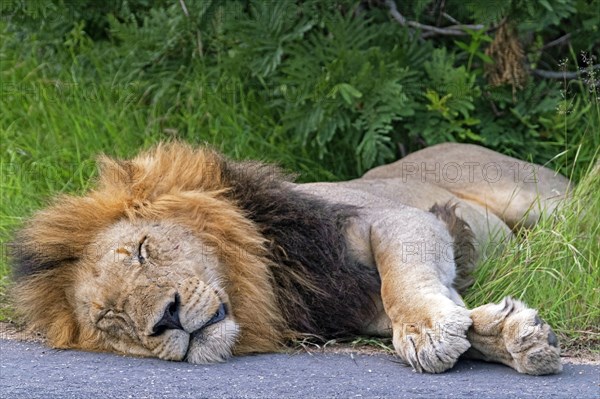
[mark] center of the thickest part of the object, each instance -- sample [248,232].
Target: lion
[184,255]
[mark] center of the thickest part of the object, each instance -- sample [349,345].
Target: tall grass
[554,267]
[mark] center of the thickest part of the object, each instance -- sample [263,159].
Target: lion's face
[154,289]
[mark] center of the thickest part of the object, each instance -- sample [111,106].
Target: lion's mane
[287,265]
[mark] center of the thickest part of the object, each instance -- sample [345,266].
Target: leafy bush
[336,79]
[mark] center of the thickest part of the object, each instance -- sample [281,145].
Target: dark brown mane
[320,288]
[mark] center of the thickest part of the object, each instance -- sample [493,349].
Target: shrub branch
[563,74]
[452,30]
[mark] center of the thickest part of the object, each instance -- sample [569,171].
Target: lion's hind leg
[513,334]
[517,192]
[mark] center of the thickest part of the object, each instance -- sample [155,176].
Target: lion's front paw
[531,342]
[434,344]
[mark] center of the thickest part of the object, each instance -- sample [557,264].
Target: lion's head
[157,261]
[154,289]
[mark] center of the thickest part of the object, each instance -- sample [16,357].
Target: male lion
[184,255]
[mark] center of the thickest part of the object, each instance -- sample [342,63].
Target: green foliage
[538,15]
[474,47]
[350,90]
[330,78]
[450,94]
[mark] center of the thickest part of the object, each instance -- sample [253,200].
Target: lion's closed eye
[142,250]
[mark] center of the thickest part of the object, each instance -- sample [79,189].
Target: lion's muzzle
[170,319]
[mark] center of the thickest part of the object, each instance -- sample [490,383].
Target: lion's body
[183,255]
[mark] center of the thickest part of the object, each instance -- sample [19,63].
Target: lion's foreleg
[513,334]
[429,327]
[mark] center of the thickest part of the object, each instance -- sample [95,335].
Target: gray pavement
[29,370]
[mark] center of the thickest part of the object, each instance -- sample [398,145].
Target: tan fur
[516,192]
[162,232]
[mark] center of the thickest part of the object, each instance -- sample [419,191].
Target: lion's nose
[169,319]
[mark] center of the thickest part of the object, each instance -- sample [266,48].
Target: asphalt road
[29,370]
